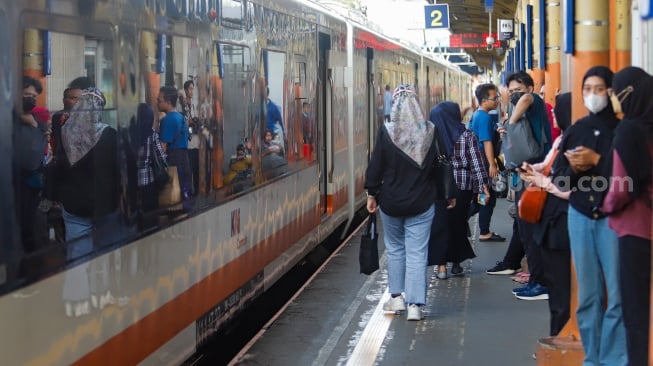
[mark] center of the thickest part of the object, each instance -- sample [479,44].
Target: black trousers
[515,252]
[635,273]
[557,279]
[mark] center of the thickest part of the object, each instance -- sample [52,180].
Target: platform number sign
[436,16]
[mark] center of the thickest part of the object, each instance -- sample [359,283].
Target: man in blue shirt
[174,136]
[483,127]
[275,121]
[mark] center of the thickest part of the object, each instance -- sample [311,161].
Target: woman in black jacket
[400,180]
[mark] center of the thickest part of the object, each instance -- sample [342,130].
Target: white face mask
[595,103]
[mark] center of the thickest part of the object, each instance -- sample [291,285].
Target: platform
[338,320]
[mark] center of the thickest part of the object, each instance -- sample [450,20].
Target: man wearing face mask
[587,149]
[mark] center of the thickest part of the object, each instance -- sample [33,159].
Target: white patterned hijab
[84,127]
[408,129]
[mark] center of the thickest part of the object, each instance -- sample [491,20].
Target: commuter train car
[151,285]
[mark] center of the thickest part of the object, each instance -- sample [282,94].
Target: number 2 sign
[436,16]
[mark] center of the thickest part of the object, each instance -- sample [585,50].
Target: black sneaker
[501,269]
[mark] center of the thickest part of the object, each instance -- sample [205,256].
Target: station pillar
[553,49]
[620,38]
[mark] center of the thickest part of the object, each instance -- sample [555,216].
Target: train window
[231,13]
[68,181]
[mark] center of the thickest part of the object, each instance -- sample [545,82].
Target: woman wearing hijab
[88,183]
[628,203]
[584,151]
[448,241]
[550,234]
[148,142]
[399,181]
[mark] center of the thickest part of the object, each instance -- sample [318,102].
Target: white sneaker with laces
[414,312]
[395,304]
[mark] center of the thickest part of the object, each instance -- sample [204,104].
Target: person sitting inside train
[273,162]
[240,167]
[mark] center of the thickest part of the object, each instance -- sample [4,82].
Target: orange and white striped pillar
[620,38]
[553,50]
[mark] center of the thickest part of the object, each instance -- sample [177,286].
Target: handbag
[368,255]
[170,194]
[445,184]
[532,200]
[519,144]
[158,165]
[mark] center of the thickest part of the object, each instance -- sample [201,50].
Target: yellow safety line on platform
[369,344]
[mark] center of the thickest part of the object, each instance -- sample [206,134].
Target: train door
[324,140]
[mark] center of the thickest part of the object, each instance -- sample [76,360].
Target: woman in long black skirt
[449,242]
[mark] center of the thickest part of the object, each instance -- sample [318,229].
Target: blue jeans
[595,251]
[406,242]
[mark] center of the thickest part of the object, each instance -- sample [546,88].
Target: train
[156,284]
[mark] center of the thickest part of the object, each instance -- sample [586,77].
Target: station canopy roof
[469,17]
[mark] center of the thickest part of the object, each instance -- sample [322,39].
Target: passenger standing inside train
[550,234]
[399,181]
[448,241]
[482,126]
[594,248]
[174,137]
[148,143]
[628,204]
[88,187]
[387,104]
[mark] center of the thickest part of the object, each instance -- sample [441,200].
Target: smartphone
[481,199]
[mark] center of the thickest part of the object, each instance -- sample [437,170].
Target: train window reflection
[232,13]
[67,149]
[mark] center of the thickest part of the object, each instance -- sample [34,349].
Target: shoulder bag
[532,200]
[445,184]
[160,173]
[519,143]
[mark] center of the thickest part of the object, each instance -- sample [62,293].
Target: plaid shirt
[145,173]
[469,166]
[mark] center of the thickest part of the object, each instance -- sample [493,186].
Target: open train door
[324,137]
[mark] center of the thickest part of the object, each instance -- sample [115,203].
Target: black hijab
[447,118]
[634,136]
[144,121]
[562,110]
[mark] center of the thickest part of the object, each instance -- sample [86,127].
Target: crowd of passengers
[596,172]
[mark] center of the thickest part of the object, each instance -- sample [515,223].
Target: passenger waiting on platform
[448,241]
[628,205]
[550,234]
[586,148]
[482,126]
[174,137]
[88,187]
[529,108]
[148,143]
[400,182]
[195,137]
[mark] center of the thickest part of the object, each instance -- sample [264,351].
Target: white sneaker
[395,304]
[414,312]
